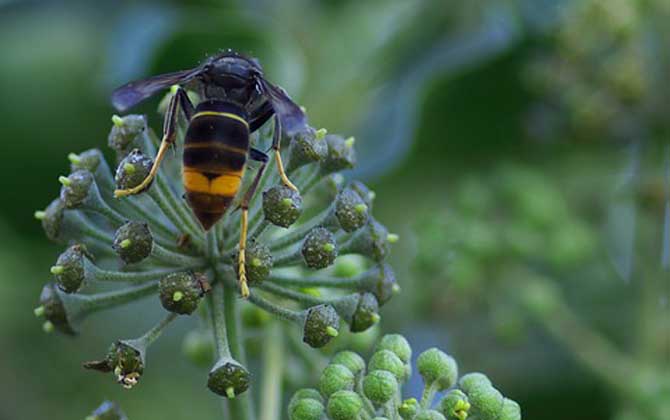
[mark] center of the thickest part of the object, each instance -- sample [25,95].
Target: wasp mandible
[236,101]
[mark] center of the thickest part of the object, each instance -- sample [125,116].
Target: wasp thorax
[133,242]
[132,170]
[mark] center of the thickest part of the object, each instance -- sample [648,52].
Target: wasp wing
[291,116]
[135,92]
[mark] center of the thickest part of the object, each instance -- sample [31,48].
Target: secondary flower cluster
[121,250]
[350,390]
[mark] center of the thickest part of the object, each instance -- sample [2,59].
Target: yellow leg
[282,173]
[152,173]
[241,259]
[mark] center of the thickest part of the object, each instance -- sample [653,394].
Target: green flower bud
[455,405]
[364,192]
[344,405]
[380,281]
[387,360]
[353,361]
[132,170]
[408,408]
[108,411]
[319,249]
[53,310]
[181,292]
[341,154]
[125,131]
[304,394]
[306,409]
[88,160]
[52,219]
[69,270]
[380,386]
[228,378]
[397,344]
[335,378]
[198,346]
[322,324]
[306,147]
[133,242]
[435,366]
[510,410]
[258,262]
[429,415]
[350,210]
[486,401]
[125,360]
[367,313]
[76,188]
[470,381]
[370,240]
[282,206]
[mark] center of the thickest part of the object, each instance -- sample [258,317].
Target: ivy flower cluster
[350,389]
[150,246]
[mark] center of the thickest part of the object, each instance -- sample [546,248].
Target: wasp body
[237,100]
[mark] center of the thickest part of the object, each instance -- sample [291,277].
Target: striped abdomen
[215,153]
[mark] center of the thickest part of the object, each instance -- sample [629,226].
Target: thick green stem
[273,363]
[152,335]
[242,404]
[428,395]
[219,325]
[266,305]
[316,281]
[132,276]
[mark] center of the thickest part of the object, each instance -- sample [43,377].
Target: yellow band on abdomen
[227,184]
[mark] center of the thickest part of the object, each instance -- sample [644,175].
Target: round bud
[335,378]
[510,410]
[486,401]
[107,411]
[455,405]
[408,408]
[307,146]
[380,386]
[69,270]
[353,361]
[198,346]
[258,262]
[371,241]
[322,324]
[305,393]
[435,366]
[132,170]
[306,409]
[51,306]
[133,242]
[124,132]
[350,210]
[181,292]
[52,219]
[319,249]
[344,405]
[341,154]
[473,380]
[75,188]
[228,378]
[397,344]
[281,205]
[367,313]
[387,360]
[429,415]
[380,280]
[88,160]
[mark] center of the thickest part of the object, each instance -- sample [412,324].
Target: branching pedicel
[150,244]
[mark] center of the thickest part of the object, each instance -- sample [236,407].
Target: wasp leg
[276,145]
[244,206]
[179,99]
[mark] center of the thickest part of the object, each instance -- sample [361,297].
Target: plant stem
[242,403]
[315,281]
[131,276]
[273,363]
[429,391]
[270,307]
[218,321]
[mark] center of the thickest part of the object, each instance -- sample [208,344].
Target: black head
[230,67]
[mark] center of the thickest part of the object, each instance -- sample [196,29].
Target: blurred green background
[519,148]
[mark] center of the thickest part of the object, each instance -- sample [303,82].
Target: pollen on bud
[132,170]
[436,367]
[125,130]
[455,405]
[335,378]
[387,360]
[306,147]
[282,206]
[344,405]
[140,245]
[380,386]
[319,249]
[350,210]
[228,378]
[322,323]
[69,270]
[258,263]
[408,408]
[340,156]
[181,292]
[366,314]
[76,188]
[124,360]
[53,310]
[352,361]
